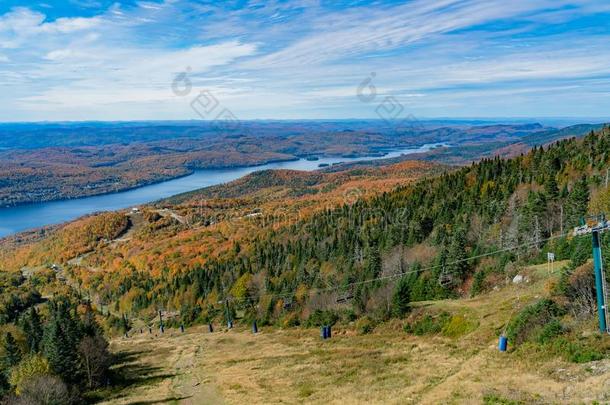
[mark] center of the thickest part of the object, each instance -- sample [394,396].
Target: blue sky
[116,60]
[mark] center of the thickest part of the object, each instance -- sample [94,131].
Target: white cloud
[349,34]
[68,25]
[59,54]
[22,26]
[150,6]
[128,75]
[274,57]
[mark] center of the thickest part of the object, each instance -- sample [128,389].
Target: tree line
[58,357]
[489,205]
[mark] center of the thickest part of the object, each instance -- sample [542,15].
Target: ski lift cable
[401,274]
[398,275]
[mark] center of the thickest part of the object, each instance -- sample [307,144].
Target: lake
[23,217]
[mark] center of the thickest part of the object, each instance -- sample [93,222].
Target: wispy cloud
[116,60]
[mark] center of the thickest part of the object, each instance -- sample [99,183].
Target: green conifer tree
[456,255]
[32,327]
[60,340]
[402,297]
[11,354]
[578,202]
[373,262]
[550,187]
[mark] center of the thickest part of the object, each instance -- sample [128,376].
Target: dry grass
[387,366]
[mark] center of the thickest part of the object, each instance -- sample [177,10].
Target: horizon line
[598,120]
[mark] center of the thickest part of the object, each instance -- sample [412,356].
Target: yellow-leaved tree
[31,366]
[241,286]
[600,201]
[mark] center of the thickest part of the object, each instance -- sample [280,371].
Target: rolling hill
[411,253]
[44,162]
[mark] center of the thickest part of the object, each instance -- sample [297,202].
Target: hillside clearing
[387,366]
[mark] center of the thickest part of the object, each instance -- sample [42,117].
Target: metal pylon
[595,229]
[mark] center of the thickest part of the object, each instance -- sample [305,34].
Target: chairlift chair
[345,298]
[445,279]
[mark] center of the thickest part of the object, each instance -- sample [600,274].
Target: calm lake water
[23,217]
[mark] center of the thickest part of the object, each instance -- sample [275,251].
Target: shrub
[550,331]
[116,325]
[321,318]
[576,352]
[458,326]
[428,324]
[348,315]
[493,399]
[290,319]
[365,325]
[529,322]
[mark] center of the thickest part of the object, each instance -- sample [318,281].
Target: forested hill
[277,265]
[354,248]
[332,260]
[44,162]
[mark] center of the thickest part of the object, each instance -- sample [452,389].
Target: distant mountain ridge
[70,134]
[52,161]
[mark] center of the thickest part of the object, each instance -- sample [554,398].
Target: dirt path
[166,212]
[295,366]
[136,221]
[163,368]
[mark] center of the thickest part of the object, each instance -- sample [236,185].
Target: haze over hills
[23,135]
[44,162]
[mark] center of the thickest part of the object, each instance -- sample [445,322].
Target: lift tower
[595,225]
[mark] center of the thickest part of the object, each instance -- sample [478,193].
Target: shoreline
[35,215]
[373,155]
[190,171]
